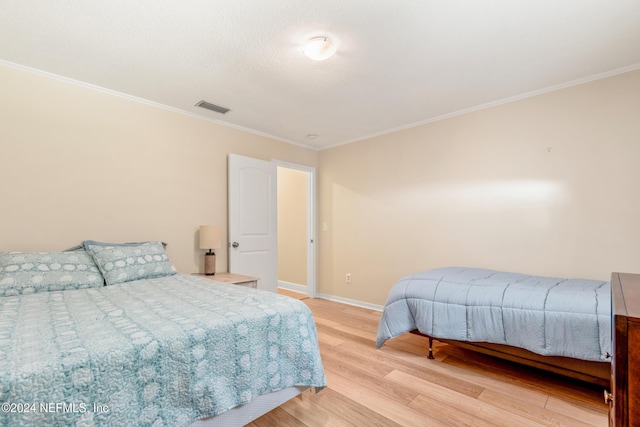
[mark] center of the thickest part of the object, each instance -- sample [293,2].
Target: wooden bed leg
[430,355]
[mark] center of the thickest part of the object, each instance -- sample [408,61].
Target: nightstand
[235,279]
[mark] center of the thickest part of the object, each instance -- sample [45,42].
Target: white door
[253,223]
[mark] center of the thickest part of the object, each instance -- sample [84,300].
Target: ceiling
[399,62]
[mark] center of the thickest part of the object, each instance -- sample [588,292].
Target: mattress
[546,315]
[163,351]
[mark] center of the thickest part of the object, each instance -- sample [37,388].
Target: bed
[161,349]
[562,325]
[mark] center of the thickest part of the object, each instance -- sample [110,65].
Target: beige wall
[480,189]
[78,163]
[292,226]
[548,185]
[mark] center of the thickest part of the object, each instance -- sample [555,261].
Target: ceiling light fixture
[319,48]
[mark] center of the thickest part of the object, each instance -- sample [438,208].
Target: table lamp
[210,237]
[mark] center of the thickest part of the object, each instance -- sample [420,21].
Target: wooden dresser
[624,403]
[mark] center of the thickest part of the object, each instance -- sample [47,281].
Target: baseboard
[351,302]
[292,286]
[303,289]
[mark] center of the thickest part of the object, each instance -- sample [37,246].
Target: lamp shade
[210,236]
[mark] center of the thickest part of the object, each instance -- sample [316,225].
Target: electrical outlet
[348,278]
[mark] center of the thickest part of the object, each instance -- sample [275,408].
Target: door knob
[235,244]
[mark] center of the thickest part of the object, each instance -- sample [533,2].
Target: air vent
[212,107]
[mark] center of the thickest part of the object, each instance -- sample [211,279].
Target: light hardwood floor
[398,386]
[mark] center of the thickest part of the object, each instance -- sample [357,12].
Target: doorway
[296,227]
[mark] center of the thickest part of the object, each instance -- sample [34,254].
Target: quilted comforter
[545,315]
[161,352]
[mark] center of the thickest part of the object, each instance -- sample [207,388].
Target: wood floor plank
[368,379]
[306,410]
[392,410]
[374,315]
[292,294]
[543,416]
[278,417]
[329,339]
[367,335]
[452,405]
[447,414]
[326,322]
[344,333]
[513,373]
[358,361]
[374,357]
[350,412]
[479,379]
[348,316]
[585,413]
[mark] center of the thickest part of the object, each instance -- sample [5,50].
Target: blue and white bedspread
[155,352]
[545,315]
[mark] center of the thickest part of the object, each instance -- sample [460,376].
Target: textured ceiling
[399,62]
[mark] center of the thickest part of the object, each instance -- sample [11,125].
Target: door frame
[311,221]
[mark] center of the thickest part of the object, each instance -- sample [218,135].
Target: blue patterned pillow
[84,245]
[31,272]
[120,264]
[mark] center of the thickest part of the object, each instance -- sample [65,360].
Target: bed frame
[590,371]
[243,415]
